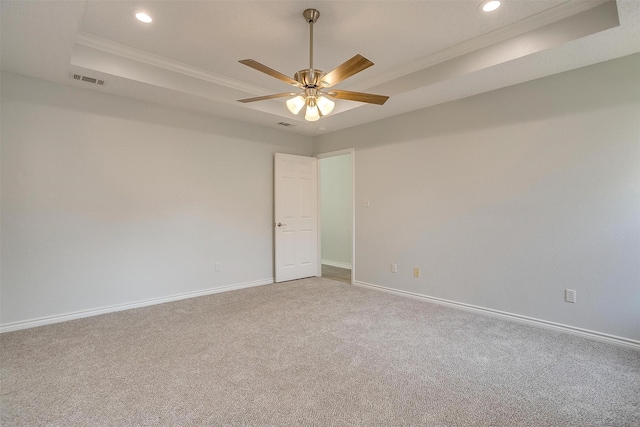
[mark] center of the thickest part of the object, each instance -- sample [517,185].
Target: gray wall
[507,198]
[503,199]
[109,201]
[336,210]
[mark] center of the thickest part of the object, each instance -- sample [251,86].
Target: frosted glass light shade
[312,113]
[325,105]
[295,104]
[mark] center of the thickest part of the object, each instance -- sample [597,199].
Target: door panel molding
[295,217]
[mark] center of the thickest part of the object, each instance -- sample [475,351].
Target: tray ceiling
[425,52]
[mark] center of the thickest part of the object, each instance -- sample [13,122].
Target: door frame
[321,156]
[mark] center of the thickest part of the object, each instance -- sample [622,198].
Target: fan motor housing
[309,78]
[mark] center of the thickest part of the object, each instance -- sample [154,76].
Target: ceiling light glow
[312,113]
[490,5]
[295,104]
[143,17]
[325,105]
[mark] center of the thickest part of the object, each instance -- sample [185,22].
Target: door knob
[281,224]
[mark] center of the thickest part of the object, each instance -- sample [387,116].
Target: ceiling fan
[315,85]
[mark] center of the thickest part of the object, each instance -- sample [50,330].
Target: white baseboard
[585,333]
[41,321]
[337,264]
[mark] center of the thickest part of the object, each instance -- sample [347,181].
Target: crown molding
[129,53]
[540,20]
[114,48]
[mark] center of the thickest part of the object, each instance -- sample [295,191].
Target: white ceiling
[425,52]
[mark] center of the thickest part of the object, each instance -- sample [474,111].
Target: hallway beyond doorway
[336,273]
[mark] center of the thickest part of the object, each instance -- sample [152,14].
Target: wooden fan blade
[346,70]
[273,73]
[262,98]
[357,96]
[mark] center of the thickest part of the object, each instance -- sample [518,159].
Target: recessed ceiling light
[490,5]
[143,17]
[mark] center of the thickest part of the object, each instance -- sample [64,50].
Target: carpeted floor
[312,352]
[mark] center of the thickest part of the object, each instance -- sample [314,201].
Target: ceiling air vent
[87,79]
[285,124]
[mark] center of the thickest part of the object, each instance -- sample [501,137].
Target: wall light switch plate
[416,272]
[394,268]
[366,203]
[218,266]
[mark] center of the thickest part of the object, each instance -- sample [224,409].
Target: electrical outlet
[394,268]
[218,266]
[569,295]
[416,272]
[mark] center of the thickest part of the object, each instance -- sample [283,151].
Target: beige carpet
[311,352]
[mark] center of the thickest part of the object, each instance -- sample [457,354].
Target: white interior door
[296,217]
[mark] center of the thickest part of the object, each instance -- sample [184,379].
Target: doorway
[337,215]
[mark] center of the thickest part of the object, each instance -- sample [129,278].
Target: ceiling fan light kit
[325,105]
[315,83]
[295,104]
